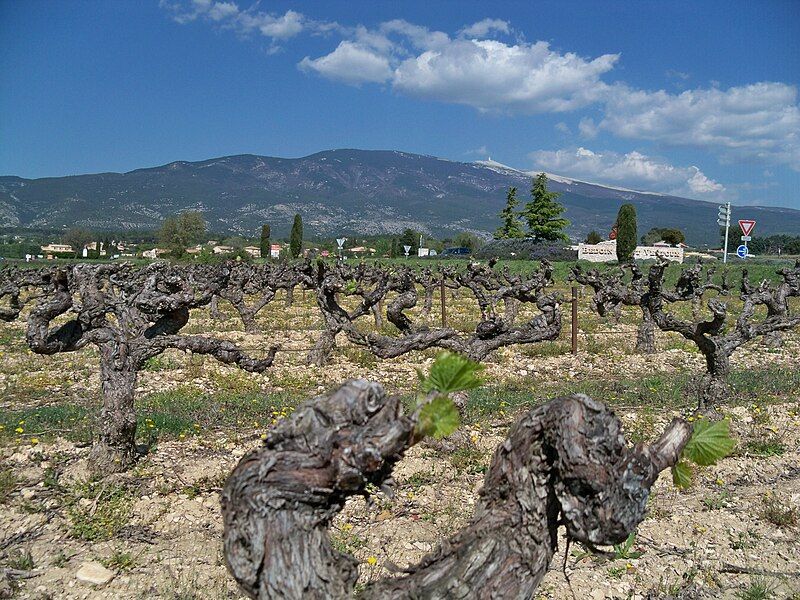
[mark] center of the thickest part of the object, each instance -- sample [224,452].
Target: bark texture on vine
[718,337]
[14,283]
[131,315]
[612,292]
[249,288]
[564,463]
[365,282]
[496,327]
[775,299]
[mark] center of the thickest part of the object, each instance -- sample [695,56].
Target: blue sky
[694,98]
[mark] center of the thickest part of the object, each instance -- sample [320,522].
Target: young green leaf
[682,475]
[438,419]
[451,373]
[710,442]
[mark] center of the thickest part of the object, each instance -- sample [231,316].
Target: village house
[155,253]
[57,248]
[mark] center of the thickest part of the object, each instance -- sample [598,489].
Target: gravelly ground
[166,540]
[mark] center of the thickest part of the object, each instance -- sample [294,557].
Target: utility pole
[724,220]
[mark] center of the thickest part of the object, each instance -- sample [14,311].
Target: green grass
[758,589]
[8,484]
[668,390]
[780,513]
[98,511]
[468,458]
[765,447]
[45,422]
[182,411]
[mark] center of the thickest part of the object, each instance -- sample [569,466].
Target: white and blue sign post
[724,220]
[746,226]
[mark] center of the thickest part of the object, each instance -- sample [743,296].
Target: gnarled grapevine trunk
[115,447]
[565,462]
[646,334]
[716,341]
[131,315]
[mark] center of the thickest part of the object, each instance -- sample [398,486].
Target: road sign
[746,238]
[340,242]
[724,215]
[746,225]
[741,251]
[407,249]
[724,220]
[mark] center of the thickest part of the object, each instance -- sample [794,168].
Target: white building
[606,251]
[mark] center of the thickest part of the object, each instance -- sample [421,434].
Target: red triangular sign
[746,225]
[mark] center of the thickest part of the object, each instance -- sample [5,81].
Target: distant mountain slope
[343,191]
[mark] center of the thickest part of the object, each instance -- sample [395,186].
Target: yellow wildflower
[34,441]
[372,561]
[19,430]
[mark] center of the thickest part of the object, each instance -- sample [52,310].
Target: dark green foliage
[666,234]
[593,237]
[626,233]
[526,249]
[264,243]
[468,240]
[512,226]
[543,213]
[180,232]
[409,238]
[296,237]
[774,244]
[77,237]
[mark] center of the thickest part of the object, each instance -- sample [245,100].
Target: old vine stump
[564,463]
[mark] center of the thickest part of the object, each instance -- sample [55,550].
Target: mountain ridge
[344,191]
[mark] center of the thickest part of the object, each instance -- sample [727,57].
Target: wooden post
[444,308]
[574,319]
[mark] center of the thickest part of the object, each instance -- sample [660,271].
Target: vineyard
[131,393]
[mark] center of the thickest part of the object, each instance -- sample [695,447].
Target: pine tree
[542,213]
[296,237]
[626,233]
[593,237]
[512,227]
[265,250]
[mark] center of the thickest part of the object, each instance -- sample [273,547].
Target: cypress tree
[296,237]
[265,241]
[543,213]
[626,233]
[512,227]
[593,237]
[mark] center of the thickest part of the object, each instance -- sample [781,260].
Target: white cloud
[482,28]
[754,122]
[632,170]
[420,37]
[229,15]
[351,63]
[491,75]
[486,74]
[222,10]
[588,128]
[563,128]
[751,123]
[700,184]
